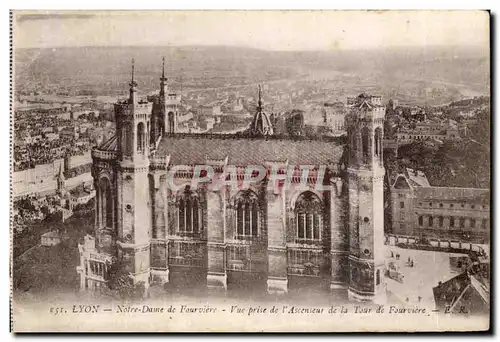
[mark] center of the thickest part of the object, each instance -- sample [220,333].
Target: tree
[120,281]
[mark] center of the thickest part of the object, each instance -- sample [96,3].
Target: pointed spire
[163,82]
[259,105]
[163,78]
[163,67]
[133,83]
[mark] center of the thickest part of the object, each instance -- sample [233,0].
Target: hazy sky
[274,30]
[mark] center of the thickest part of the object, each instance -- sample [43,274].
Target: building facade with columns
[439,213]
[323,229]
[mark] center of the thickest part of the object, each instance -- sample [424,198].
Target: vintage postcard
[249,171]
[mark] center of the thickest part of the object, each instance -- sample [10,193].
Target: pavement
[429,268]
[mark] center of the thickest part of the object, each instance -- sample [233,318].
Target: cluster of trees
[462,163]
[120,283]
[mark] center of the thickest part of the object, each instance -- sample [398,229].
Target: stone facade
[441,213]
[320,228]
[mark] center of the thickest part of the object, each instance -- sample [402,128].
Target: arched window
[190,212]
[473,223]
[420,221]
[106,207]
[452,222]
[309,217]
[462,222]
[141,137]
[247,215]
[127,138]
[378,143]
[365,142]
[377,280]
[441,221]
[171,122]
[431,221]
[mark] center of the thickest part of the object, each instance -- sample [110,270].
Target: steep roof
[401,182]
[196,149]
[109,145]
[463,291]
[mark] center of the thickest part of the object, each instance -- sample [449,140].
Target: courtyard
[429,268]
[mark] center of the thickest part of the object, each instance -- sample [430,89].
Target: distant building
[210,109]
[50,239]
[42,179]
[422,210]
[334,116]
[77,113]
[416,111]
[375,101]
[431,130]
[81,195]
[207,123]
[468,114]
[70,133]
[314,116]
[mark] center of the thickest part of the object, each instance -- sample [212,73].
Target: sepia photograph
[250,171]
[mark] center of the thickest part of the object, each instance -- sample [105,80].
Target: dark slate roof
[444,193]
[447,293]
[463,291]
[401,183]
[109,145]
[197,149]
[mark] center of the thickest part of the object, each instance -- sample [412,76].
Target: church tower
[166,109]
[133,208]
[365,127]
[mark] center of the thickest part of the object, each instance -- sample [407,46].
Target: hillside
[437,74]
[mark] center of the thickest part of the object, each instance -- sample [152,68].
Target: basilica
[277,239]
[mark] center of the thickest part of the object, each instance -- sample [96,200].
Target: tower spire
[163,67]
[133,84]
[259,105]
[163,81]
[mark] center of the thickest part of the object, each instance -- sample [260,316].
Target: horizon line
[470,45]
